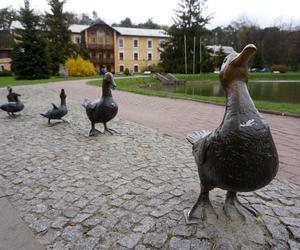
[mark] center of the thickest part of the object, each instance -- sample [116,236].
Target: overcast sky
[262,12]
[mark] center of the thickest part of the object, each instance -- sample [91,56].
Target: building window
[93,54]
[121,68]
[149,56]
[121,42]
[121,56]
[136,68]
[135,56]
[135,43]
[149,44]
[93,41]
[78,39]
[107,41]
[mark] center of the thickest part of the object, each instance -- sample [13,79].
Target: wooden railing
[100,46]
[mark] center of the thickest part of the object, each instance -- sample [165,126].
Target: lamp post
[200,59]
[185,57]
[194,55]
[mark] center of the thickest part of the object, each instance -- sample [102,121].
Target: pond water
[274,91]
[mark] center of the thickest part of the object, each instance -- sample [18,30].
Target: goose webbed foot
[109,130]
[64,120]
[232,201]
[199,210]
[11,115]
[94,132]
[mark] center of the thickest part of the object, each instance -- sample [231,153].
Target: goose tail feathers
[196,136]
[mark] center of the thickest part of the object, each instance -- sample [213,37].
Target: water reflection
[275,91]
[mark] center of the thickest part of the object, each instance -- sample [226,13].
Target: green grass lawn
[11,81]
[133,85]
[252,76]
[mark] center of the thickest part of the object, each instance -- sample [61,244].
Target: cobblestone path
[179,117]
[125,191]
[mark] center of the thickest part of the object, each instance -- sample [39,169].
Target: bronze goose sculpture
[102,110]
[13,105]
[57,113]
[240,155]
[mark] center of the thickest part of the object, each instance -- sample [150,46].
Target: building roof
[16,25]
[74,28]
[124,31]
[98,22]
[141,32]
[216,48]
[77,28]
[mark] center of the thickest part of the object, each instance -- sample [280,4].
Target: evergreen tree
[189,23]
[258,61]
[126,23]
[58,34]
[7,15]
[30,58]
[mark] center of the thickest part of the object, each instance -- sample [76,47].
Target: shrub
[126,72]
[280,67]
[5,73]
[154,68]
[80,67]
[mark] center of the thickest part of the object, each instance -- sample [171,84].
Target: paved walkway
[14,234]
[126,191]
[178,117]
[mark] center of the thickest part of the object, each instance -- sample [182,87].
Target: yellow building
[137,49]
[5,59]
[76,29]
[6,43]
[114,49]
[118,48]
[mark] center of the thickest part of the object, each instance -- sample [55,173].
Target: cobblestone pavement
[179,117]
[125,191]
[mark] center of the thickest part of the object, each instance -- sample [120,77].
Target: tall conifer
[58,34]
[189,22]
[30,58]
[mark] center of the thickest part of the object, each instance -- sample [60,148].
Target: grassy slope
[252,76]
[131,85]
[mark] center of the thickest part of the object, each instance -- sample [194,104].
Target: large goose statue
[102,110]
[240,155]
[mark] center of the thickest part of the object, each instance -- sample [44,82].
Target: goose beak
[243,58]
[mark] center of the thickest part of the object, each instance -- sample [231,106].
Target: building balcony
[100,46]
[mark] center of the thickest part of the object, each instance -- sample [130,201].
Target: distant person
[103,70]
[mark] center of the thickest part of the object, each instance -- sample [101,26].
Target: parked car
[264,70]
[259,70]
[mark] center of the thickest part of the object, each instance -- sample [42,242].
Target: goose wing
[54,106]
[199,140]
